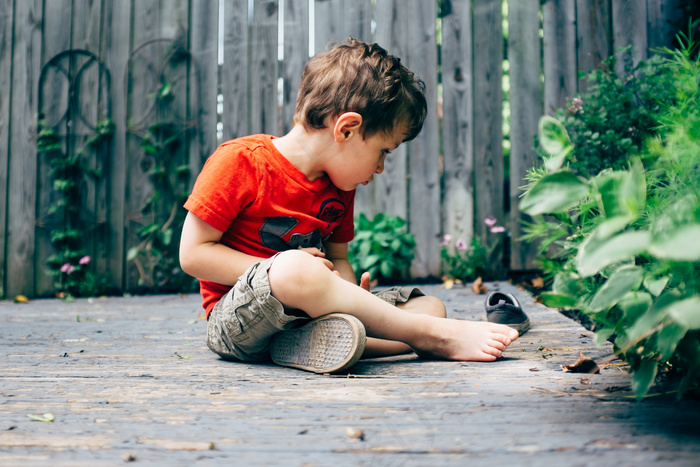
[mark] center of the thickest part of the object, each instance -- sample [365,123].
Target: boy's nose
[380,167]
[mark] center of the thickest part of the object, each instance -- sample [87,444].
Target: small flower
[70,269]
[446,240]
[490,221]
[84,260]
[65,267]
[498,229]
[461,245]
[576,105]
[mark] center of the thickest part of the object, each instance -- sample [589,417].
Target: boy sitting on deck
[270,220]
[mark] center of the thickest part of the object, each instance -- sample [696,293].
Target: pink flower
[84,260]
[461,245]
[446,240]
[490,221]
[498,229]
[65,267]
[576,105]
[70,269]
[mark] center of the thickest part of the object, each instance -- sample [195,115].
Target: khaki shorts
[242,323]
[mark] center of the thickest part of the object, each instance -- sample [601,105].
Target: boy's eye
[385,152]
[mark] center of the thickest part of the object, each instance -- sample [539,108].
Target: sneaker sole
[328,344]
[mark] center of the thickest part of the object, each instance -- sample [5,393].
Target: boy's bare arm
[337,253]
[202,256]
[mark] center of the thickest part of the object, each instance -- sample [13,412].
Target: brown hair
[363,78]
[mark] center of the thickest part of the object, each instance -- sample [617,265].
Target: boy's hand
[364,281]
[318,254]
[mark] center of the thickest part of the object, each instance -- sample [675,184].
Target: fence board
[357,16]
[594,36]
[203,81]
[559,53]
[116,33]
[664,19]
[388,193]
[21,211]
[423,157]
[629,29]
[458,120]
[525,110]
[296,54]
[263,65]
[235,70]
[488,131]
[54,103]
[6,16]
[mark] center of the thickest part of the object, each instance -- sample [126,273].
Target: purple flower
[576,105]
[446,240]
[498,229]
[84,260]
[70,269]
[461,245]
[65,267]
[490,221]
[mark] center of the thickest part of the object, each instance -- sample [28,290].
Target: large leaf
[668,339]
[681,244]
[553,136]
[634,304]
[625,279]
[554,300]
[644,376]
[596,253]
[686,312]
[555,192]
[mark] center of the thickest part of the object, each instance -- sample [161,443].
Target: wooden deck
[130,379]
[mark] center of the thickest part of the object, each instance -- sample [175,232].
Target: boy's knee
[435,307]
[295,270]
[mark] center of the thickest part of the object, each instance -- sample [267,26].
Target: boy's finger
[364,281]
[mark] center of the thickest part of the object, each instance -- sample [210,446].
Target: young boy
[270,220]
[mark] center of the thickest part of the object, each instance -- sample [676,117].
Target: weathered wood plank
[629,28]
[116,47]
[21,193]
[488,130]
[665,17]
[142,82]
[235,70]
[560,73]
[423,151]
[524,54]
[357,16]
[55,104]
[458,120]
[594,36]
[328,23]
[203,81]
[6,17]
[389,192]
[264,116]
[296,54]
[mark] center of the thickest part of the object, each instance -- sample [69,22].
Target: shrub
[627,240]
[383,247]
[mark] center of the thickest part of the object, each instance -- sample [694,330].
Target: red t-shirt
[263,204]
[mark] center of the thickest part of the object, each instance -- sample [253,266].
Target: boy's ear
[346,126]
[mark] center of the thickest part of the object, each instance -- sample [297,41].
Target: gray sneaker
[504,308]
[328,344]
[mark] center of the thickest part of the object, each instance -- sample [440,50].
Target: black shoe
[504,308]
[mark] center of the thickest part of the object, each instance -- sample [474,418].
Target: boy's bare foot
[477,341]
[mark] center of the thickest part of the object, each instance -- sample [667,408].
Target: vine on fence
[70,264]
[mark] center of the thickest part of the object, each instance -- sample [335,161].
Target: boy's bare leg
[299,280]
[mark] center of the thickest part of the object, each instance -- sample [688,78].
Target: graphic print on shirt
[274,229]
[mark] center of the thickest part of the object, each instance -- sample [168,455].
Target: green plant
[70,264]
[627,240]
[462,262]
[156,255]
[612,119]
[383,247]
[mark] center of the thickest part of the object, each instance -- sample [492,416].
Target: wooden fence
[75,63]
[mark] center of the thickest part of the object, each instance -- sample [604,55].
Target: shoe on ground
[504,308]
[328,344]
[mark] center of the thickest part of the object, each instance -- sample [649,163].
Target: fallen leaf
[586,381]
[537,282]
[478,286]
[448,284]
[534,369]
[355,433]
[582,365]
[47,417]
[184,357]
[128,457]
[21,299]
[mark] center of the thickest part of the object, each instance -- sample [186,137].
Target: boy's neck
[306,150]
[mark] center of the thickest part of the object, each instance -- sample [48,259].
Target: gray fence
[75,63]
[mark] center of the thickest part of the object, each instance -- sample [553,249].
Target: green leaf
[554,300]
[686,312]
[655,286]
[616,287]
[47,417]
[681,244]
[644,376]
[602,336]
[634,304]
[369,261]
[385,269]
[553,193]
[596,253]
[669,338]
[553,136]
[568,283]
[132,253]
